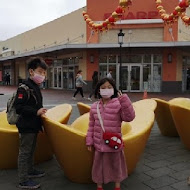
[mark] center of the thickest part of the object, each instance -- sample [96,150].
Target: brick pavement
[164,165]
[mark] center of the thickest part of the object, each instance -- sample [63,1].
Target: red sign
[137,15]
[49,61]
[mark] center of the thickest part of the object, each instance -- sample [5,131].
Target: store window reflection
[147,77]
[157,78]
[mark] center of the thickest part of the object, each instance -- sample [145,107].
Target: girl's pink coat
[113,113]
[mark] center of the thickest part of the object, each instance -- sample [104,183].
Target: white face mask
[106,93]
[37,78]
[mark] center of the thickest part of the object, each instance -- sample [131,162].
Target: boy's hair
[35,62]
[101,82]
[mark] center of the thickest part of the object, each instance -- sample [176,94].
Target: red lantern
[183,4]
[111,19]
[175,12]
[119,10]
[105,24]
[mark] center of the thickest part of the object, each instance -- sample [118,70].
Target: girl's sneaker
[30,184]
[99,188]
[117,188]
[90,99]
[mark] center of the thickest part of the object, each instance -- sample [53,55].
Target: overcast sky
[18,16]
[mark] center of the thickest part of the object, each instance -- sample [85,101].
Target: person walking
[79,84]
[109,75]
[94,83]
[8,79]
[108,113]
[30,108]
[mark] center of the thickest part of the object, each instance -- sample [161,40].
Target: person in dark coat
[94,83]
[30,108]
[8,79]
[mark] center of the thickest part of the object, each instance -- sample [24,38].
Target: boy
[30,109]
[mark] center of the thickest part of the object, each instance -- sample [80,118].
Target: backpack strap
[29,91]
[26,88]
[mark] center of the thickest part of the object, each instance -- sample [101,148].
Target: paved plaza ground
[165,164]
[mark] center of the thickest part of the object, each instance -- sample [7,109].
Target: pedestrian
[94,83]
[30,108]
[109,75]
[114,107]
[79,84]
[8,78]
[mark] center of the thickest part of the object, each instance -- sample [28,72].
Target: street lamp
[120,42]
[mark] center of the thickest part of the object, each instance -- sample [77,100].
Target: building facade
[155,56]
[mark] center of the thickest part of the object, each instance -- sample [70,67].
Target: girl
[79,84]
[115,107]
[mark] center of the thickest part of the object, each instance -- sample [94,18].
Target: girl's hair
[80,71]
[101,82]
[35,62]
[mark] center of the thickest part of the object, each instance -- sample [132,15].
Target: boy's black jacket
[28,121]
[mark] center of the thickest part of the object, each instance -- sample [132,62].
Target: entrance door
[131,77]
[57,77]
[135,78]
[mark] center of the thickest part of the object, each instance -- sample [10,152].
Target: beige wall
[67,29]
[137,35]
[21,70]
[183,30]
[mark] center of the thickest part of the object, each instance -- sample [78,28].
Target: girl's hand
[119,93]
[89,148]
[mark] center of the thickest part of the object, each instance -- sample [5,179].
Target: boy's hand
[41,111]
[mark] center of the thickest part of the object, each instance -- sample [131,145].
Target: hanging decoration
[185,19]
[108,23]
[179,11]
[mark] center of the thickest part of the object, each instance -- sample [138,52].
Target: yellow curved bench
[60,113]
[9,143]
[83,108]
[69,142]
[180,109]
[164,118]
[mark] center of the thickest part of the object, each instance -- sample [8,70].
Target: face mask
[106,93]
[37,78]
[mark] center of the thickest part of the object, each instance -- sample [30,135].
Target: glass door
[57,77]
[71,78]
[125,78]
[131,77]
[135,77]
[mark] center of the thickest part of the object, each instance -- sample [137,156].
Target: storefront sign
[137,15]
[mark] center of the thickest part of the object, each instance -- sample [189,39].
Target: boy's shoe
[73,98]
[90,99]
[84,97]
[30,184]
[188,180]
[36,174]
